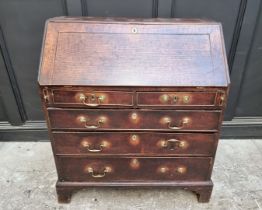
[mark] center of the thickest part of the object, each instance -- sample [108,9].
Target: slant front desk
[133,102]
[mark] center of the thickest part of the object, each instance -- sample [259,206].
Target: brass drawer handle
[165,98]
[174,143]
[84,120]
[165,170]
[86,145]
[95,150]
[184,122]
[93,100]
[221,101]
[94,174]
[174,98]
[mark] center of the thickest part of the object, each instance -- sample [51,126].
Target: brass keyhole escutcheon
[134,117]
[134,137]
[175,99]
[134,163]
[134,140]
[134,30]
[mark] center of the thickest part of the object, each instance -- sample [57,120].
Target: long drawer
[134,169]
[95,119]
[131,143]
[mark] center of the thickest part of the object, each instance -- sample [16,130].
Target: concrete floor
[28,178]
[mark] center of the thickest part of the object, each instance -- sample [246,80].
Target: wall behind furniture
[21,33]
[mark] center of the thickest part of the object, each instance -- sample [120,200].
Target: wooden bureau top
[133,52]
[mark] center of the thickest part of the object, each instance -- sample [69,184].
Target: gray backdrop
[21,32]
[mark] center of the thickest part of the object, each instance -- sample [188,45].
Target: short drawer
[180,99]
[91,98]
[131,143]
[132,119]
[134,169]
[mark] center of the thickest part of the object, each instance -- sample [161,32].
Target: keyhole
[175,99]
[134,30]
[93,98]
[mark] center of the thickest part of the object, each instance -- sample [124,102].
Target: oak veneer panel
[133,53]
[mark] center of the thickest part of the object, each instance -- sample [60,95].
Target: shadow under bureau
[133,102]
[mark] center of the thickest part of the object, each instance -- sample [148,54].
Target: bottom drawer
[134,169]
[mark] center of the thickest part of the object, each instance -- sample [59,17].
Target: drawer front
[180,99]
[131,143]
[92,98]
[134,169]
[129,119]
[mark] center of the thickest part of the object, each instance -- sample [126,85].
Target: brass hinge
[221,98]
[46,95]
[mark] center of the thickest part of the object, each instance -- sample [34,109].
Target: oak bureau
[133,102]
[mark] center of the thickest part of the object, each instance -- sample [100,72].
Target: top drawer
[91,98]
[140,98]
[180,99]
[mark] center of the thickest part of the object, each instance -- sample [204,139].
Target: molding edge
[238,128]
[242,127]
[30,131]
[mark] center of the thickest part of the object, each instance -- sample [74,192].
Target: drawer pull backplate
[185,121]
[172,144]
[84,120]
[95,174]
[91,100]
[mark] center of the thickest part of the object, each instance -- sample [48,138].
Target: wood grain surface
[134,143]
[133,102]
[134,120]
[133,54]
[135,169]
